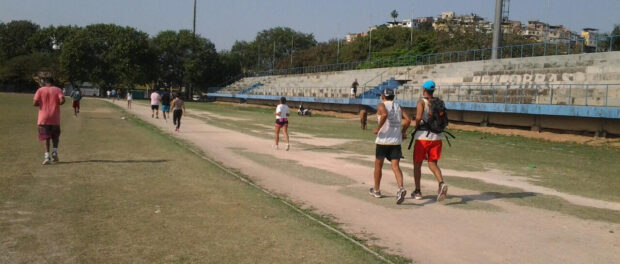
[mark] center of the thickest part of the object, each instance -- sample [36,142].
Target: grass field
[125,193]
[567,167]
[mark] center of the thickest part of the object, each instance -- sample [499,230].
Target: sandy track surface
[424,231]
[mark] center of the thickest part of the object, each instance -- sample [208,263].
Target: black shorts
[48,132]
[154,107]
[389,152]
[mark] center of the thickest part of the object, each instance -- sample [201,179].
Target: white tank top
[425,135]
[391,131]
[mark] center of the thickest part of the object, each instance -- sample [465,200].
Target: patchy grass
[126,193]
[568,167]
[519,197]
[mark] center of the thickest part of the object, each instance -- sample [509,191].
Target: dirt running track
[424,231]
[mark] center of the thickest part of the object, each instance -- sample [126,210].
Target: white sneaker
[441,193]
[274,147]
[46,159]
[55,156]
[400,195]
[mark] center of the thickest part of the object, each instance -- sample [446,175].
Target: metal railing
[557,47]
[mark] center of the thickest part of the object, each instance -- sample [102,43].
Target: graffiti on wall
[530,78]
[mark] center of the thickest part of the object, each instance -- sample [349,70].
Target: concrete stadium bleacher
[566,80]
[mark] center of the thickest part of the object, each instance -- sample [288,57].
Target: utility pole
[189,90]
[273,60]
[497,29]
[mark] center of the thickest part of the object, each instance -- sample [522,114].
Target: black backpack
[437,121]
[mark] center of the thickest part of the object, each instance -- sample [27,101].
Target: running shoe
[55,156]
[441,193]
[376,194]
[400,195]
[46,159]
[417,194]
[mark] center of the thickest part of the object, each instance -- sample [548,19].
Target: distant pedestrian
[282,113]
[178,108]
[427,144]
[354,86]
[165,104]
[155,99]
[76,96]
[113,94]
[49,98]
[129,99]
[390,134]
[363,117]
[108,93]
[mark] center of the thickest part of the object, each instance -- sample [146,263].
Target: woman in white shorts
[129,99]
[282,113]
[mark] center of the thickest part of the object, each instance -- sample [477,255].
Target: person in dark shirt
[165,103]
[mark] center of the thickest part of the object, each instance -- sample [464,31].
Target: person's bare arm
[173,103]
[35,103]
[419,111]
[382,113]
[406,124]
[62,100]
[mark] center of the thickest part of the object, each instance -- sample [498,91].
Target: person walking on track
[155,99]
[427,144]
[76,96]
[282,113]
[178,108]
[392,128]
[49,98]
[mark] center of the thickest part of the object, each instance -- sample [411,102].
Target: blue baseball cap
[429,85]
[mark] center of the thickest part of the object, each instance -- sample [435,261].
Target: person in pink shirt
[155,100]
[49,98]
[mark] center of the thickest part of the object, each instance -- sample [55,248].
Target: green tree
[109,55]
[394,15]
[187,61]
[14,38]
[270,46]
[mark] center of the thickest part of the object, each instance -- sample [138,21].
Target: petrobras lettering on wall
[528,78]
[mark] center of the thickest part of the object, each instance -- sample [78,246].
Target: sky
[225,21]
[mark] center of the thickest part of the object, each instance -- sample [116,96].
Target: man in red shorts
[427,144]
[49,98]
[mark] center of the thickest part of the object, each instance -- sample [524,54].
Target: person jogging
[282,113]
[49,98]
[392,128]
[427,144]
[155,99]
[178,108]
[76,96]
[165,104]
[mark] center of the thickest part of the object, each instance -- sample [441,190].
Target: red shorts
[427,150]
[280,122]
[76,104]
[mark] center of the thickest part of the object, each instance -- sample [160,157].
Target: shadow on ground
[487,196]
[113,161]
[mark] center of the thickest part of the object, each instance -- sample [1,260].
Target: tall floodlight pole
[273,61]
[338,52]
[411,35]
[194,26]
[497,29]
[292,46]
[370,43]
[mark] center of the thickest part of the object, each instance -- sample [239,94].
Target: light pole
[411,35]
[194,24]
